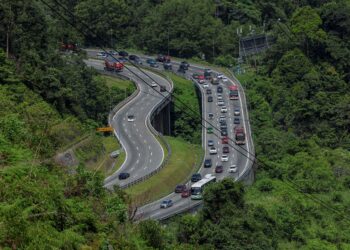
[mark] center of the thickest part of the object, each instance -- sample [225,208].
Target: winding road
[243,160]
[144,154]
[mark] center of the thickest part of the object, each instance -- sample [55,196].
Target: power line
[293,185]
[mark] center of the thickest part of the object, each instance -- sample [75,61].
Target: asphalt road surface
[144,153]
[238,156]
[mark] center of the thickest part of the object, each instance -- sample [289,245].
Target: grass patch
[115,82]
[184,161]
[94,153]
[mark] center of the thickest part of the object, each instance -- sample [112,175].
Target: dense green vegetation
[299,110]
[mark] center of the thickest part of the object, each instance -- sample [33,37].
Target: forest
[299,107]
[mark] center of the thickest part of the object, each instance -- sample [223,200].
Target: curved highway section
[241,156]
[144,154]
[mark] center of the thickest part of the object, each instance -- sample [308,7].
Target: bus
[198,187]
[233,92]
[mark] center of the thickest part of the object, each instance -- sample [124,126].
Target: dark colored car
[210,99]
[163,58]
[223,125]
[123,53]
[179,188]
[123,176]
[223,132]
[122,59]
[208,163]
[185,193]
[219,169]
[133,57]
[209,92]
[150,60]
[162,88]
[219,89]
[210,116]
[182,69]
[236,120]
[185,65]
[167,66]
[226,150]
[196,177]
[154,64]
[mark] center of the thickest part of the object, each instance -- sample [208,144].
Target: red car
[201,79]
[185,193]
[224,140]
[219,169]
[179,188]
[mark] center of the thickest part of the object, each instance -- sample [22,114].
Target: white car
[131,118]
[223,109]
[232,169]
[224,79]
[220,98]
[206,85]
[220,76]
[221,103]
[102,54]
[224,158]
[213,151]
[153,84]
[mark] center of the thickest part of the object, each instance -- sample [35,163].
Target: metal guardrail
[159,136]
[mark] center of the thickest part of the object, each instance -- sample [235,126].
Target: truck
[239,136]
[233,94]
[113,65]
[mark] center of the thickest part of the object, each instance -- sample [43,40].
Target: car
[179,188]
[205,85]
[236,111]
[223,125]
[223,109]
[221,103]
[219,169]
[208,71]
[223,132]
[167,66]
[201,79]
[209,92]
[210,143]
[207,74]
[220,98]
[208,163]
[133,57]
[150,60]
[123,53]
[219,89]
[222,118]
[185,193]
[195,75]
[219,94]
[154,84]
[232,169]
[224,158]
[209,130]
[196,177]
[224,79]
[123,176]
[113,52]
[102,54]
[162,58]
[154,64]
[226,150]
[236,120]
[131,118]
[138,61]
[213,151]
[210,116]
[185,65]
[166,203]
[162,88]
[220,76]
[224,140]
[210,99]
[214,81]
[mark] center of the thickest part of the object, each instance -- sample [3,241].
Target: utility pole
[168,40]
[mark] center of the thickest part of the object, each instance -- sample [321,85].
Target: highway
[144,153]
[243,164]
